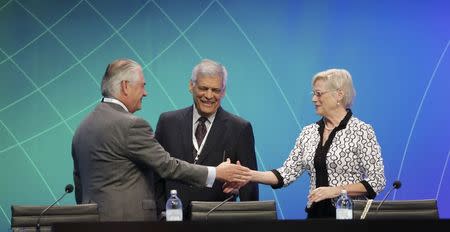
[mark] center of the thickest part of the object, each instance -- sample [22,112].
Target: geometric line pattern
[41,34]
[3,211]
[57,77]
[442,176]
[141,60]
[50,128]
[29,159]
[61,42]
[419,110]
[183,33]
[9,1]
[264,63]
[29,78]
[38,90]
[70,67]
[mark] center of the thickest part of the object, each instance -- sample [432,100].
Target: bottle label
[174,215]
[344,214]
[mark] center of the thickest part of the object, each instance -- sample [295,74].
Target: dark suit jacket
[229,133]
[115,158]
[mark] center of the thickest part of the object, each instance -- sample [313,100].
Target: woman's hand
[323,193]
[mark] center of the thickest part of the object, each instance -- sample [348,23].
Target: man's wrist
[211,176]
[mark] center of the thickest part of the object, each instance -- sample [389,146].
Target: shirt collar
[196,116]
[115,101]
[341,125]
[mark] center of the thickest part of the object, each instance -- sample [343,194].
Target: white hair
[209,68]
[116,72]
[338,79]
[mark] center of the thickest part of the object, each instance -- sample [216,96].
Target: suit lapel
[188,147]
[215,136]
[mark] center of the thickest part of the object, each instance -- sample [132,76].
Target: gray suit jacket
[115,157]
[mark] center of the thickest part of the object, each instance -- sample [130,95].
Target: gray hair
[338,79]
[209,68]
[116,72]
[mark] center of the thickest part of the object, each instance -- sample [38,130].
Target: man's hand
[229,172]
[233,187]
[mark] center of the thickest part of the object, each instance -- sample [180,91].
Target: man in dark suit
[224,136]
[116,156]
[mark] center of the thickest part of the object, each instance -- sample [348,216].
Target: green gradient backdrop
[53,54]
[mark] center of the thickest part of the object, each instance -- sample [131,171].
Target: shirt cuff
[211,177]
[279,178]
[371,194]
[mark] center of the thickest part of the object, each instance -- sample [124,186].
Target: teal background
[53,54]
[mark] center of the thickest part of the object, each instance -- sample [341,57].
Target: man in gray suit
[116,155]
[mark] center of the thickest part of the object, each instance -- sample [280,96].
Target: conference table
[318,225]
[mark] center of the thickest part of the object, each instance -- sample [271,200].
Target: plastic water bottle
[344,206]
[174,207]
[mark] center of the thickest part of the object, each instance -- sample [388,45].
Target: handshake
[235,176]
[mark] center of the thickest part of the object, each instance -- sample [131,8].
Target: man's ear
[224,90]
[124,87]
[191,86]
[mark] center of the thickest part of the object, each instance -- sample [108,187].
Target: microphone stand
[217,206]
[69,189]
[397,184]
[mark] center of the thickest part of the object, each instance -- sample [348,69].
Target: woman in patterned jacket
[338,152]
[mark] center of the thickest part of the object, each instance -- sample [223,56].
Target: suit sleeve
[144,149]
[159,132]
[160,183]
[246,155]
[76,179]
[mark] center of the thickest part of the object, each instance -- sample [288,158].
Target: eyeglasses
[319,94]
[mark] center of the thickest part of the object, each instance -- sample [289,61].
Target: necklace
[327,128]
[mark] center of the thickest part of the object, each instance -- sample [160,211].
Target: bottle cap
[173,192]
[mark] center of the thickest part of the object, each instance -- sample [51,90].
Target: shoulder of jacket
[354,121]
[235,118]
[311,127]
[175,113]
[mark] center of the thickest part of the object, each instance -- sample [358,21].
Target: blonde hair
[338,79]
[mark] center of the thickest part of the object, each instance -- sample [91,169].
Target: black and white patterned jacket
[354,156]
